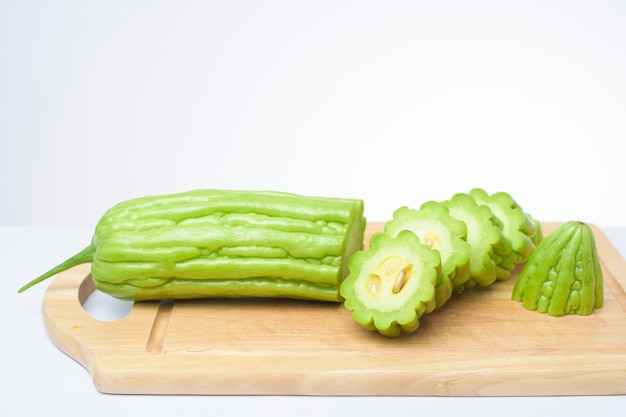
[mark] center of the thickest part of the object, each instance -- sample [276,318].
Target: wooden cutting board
[480,343]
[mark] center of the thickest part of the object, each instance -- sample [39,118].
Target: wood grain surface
[480,343]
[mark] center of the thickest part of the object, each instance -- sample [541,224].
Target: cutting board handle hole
[102,306]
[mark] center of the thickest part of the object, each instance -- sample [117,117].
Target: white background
[394,102]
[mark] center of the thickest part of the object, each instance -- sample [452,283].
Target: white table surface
[37,378]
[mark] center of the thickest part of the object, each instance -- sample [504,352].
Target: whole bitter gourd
[223,243]
[563,275]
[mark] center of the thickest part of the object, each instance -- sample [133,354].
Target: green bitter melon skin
[223,243]
[563,275]
[538,236]
[540,268]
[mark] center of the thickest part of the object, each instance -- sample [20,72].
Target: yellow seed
[432,240]
[399,282]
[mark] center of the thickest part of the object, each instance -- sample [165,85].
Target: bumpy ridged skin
[563,275]
[370,288]
[540,267]
[435,227]
[224,243]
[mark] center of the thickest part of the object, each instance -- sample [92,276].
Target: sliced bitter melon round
[483,236]
[435,227]
[392,283]
[517,228]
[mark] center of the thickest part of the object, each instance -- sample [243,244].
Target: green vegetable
[222,243]
[435,227]
[483,237]
[563,275]
[518,230]
[392,284]
[538,236]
